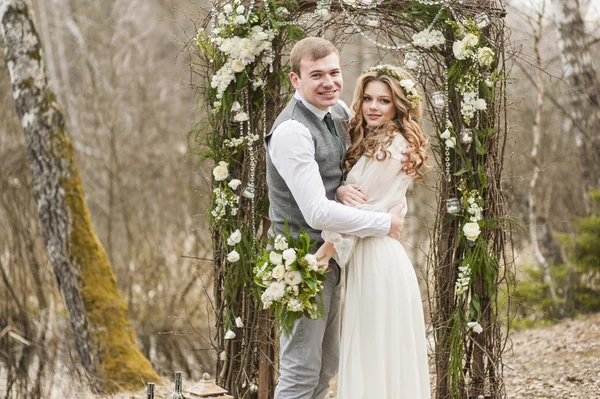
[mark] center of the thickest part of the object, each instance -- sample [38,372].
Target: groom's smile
[320,81]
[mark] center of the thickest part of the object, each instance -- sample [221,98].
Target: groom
[305,153]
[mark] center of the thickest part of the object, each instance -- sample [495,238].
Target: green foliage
[577,284]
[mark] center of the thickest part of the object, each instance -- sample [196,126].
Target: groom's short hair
[312,48]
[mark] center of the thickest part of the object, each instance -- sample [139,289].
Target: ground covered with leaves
[559,361]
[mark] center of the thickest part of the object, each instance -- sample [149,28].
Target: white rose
[234,184]
[475,326]
[312,261]
[293,277]
[233,256]
[238,322]
[470,40]
[485,55]
[445,135]
[225,46]
[289,255]
[239,20]
[235,107]
[275,258]
[276,290]
[480,104]
[229,334]
[241,117]
[407,84]
[228,8]
[279,272]
[280,243]
[471,230]
[234,238]
[237,65]
[458,48]
[220,172]
[451,142]
[240,9]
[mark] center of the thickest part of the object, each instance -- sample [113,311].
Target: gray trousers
[309,357]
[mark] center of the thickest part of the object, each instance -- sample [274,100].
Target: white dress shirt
[292,152]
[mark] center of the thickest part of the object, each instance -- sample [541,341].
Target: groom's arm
[292,152]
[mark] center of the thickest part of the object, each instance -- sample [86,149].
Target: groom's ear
[294,78]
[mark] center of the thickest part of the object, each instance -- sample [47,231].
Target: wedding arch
[456,48]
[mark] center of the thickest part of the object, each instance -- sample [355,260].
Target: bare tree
[105,339]
[584,95]
[537,133]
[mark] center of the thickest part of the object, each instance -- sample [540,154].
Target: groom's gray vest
[329,154]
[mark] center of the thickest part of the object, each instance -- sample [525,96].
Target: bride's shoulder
[398,145]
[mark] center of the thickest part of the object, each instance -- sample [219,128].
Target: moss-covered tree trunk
[104,337]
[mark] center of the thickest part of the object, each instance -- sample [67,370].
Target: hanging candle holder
[412,59]
[466,136]
[481,20]
[438,98]
[248,191]
[488,79]
[372,20]
[452,206]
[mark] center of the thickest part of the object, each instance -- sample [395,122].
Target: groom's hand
[397,225]
[350,195]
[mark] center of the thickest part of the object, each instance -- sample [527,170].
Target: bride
[383,352]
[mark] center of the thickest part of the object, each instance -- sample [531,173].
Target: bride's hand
[350,195]
[324,253]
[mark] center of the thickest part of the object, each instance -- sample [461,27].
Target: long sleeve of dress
[378,180]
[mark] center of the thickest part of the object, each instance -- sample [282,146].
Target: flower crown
[407,84]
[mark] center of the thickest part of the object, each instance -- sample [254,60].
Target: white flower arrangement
[463,281]
[470,104]
[291,280]
[240,51]
[428,38]
[223,200]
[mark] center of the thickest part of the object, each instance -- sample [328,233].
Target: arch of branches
[456,48]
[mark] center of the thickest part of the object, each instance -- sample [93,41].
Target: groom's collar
[318,112]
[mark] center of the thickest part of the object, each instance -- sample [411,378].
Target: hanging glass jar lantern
[466,136]
[481,20]
[372,20]
[438,98]
[412,60]
[452,206]
[488,79]
[248,191]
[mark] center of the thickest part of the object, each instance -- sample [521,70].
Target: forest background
[122,78]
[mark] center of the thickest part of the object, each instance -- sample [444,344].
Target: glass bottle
[150,391]
[177,393]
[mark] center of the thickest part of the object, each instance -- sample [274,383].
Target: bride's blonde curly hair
[369,142]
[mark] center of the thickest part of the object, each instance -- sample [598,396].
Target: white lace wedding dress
[383,353]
